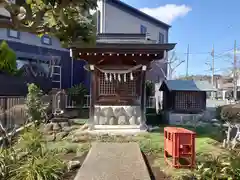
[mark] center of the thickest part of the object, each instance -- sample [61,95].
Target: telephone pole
[187,61]
[235,72]
[212,68]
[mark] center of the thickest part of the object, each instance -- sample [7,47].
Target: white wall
[119,21]
[115,20]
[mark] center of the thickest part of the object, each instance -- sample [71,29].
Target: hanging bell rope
[110,77]
[119,77]
[131,76]
[106,76]
[125,77]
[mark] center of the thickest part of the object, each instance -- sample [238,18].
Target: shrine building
[118,64]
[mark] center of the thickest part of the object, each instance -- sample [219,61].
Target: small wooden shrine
[185,96]
[118,65]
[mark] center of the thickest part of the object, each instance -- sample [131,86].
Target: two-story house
[115,16]
[47,52]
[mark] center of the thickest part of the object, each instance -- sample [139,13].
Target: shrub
[8,162]
[149,89]
[31,140]
[230,114]
[8,59]
[220,167]
[47,167]
[29,159]
[35,105]
[77,93]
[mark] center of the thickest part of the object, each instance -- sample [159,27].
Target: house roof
[187,85]
[119,42]
[121,5]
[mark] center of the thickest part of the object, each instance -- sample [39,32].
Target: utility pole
[235,72]
[187,61]
[212,68]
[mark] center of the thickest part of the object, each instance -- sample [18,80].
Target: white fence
[150,102]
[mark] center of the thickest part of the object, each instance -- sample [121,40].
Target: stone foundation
[117,115]
[188,119]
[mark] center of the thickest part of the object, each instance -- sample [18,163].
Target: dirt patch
[72,156]
[154,172]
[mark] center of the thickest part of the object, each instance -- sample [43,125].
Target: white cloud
[168,13]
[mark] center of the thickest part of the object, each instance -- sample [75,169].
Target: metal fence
[12,111]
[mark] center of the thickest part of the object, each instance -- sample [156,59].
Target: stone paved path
[113,161]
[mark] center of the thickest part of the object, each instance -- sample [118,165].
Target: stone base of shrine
[118,115]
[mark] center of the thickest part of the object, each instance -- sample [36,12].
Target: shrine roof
[120,42]
[187,85]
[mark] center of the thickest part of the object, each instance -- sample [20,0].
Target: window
[98,21]
[161,38]
[143,29]
[115,87]
[13,34]
[188,101]
[46,40]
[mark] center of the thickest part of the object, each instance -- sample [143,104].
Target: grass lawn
[151,144]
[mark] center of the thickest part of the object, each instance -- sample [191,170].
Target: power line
[187,61]
[235,71]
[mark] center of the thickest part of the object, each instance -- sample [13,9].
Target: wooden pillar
[92,97]
[5,118]
[143,125]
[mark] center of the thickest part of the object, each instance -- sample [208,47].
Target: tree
[8,59]
[68,20]
[173,63]
[231,116]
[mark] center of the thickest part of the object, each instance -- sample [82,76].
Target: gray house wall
[118,18]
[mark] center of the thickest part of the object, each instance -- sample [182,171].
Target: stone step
[113,161]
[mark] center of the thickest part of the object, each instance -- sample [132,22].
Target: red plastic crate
[179,146]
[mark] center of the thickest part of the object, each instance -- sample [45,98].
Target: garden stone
[97,111]
[96,120]
[48,127]
[130,111]
[133,120]
[122,120]
[120,112]
[84,127]
[61,135]
[50,138]
[102,120]
[64,124]
[66,129]
[56,127]
[113,121]
[139,120]
[109,112]
[73,165]
[103,111]
[83,138]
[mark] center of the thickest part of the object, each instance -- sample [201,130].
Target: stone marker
[113,161]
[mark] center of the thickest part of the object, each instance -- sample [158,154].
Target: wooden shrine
[118,65]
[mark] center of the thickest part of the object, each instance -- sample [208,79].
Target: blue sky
[199,23]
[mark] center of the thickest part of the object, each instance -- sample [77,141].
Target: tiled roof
[187,85]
